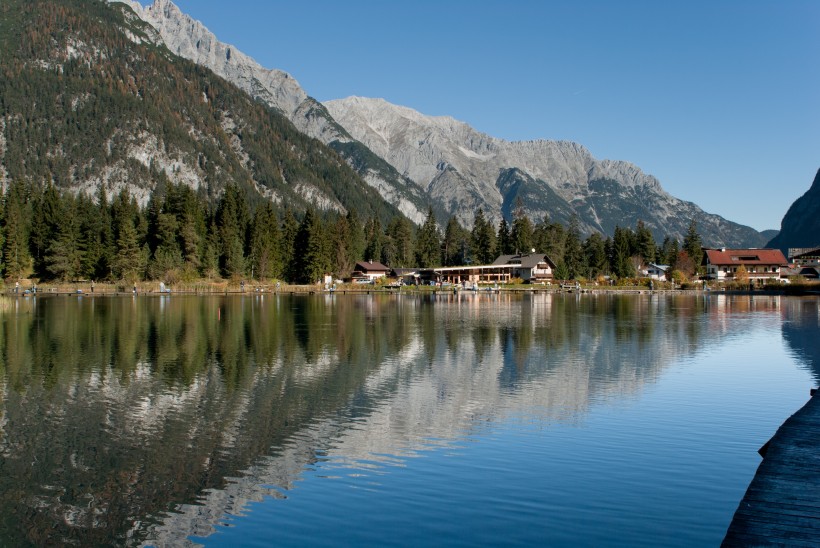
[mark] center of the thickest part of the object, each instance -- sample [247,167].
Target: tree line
[181,235]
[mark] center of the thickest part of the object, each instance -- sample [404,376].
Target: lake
[391,420]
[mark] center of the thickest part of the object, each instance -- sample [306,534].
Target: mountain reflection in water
[131,420]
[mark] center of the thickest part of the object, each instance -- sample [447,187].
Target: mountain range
[415,160]
[172,121]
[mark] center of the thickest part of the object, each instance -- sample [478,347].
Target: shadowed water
[391,420]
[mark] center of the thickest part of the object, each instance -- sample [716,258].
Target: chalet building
[531,268]
[760,264]
[810,272]
[655,271]
[805,256]
[369,271]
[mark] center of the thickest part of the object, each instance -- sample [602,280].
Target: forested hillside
[120,161]
[87,100]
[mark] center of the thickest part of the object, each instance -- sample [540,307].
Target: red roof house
[722,264]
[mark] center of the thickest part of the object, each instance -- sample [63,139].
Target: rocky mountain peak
[411,157]
[190,39]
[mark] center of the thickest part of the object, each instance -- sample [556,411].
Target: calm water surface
[599,420]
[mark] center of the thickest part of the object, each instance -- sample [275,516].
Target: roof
[805,252]
[754,256]
[371,266]
[530,260]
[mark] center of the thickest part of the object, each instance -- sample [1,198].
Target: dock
[781,507]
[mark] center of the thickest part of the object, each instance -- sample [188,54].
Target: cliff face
[801,224]
[191,40]
[465,169]
[414,160]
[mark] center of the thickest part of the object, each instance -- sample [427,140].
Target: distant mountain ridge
[466,169]
[415,160]
[191,40]
[801,224]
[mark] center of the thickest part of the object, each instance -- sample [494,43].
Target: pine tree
[482,240]
[16,215]
[265,244]
[623,250]
[645,243]
[693,245]
[375,239]
[595,255]
[45,223]
[551,238]
[504,240]
[573,252]
[232,224]
[400,231]
[454,243]
[522,234]
[356,241]
[313,258]
[428,243]
[290,227]
[64,256]
[128,260]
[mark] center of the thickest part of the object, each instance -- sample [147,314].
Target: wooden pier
[782,504]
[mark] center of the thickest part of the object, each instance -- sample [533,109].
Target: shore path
[782,504]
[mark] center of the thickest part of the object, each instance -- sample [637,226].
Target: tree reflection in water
[130,419]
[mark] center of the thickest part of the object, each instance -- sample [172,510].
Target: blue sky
[719,100]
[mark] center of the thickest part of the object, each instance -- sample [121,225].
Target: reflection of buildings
[366,380]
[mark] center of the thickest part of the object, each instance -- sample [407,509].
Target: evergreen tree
[375,239]
[595,255]
[232,223]
[623,250]
[400,232]
[167,256]
[290,227]
[356,242]
[504,245]
[265,244]
[312,249]
[64,257]
[482,240]
[104,227]
[45,223]
[522,234]
[128,260]
[428,243]
[210,253]
[455,243]
[645,243]
[669,251]
[693,245]
[343,261]
[16,215]
[573,251]
[551,238]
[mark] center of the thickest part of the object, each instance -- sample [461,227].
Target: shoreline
[152,289]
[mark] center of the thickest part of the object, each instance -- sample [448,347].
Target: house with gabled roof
[760,264]
[370,270]
[805,255]
[531,268]
[655,271]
